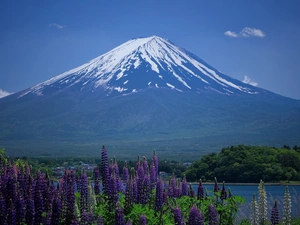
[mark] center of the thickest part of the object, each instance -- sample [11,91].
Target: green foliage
[226,208]
[248,164]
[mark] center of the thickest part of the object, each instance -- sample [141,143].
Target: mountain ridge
[153,94]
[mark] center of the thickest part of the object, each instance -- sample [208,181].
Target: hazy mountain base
[177,125]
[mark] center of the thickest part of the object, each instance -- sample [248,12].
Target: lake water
[274,192]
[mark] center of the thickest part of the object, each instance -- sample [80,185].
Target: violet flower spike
[275,214]
[195,217]
[200,191]
[143,220]
[213,217]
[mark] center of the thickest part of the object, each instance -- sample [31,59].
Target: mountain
[146,93]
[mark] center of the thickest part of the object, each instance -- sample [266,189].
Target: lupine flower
[216,186]
[84,192]
[56,210]
[213,218]
[39,207]
[254,211]
[145,164]
[287,207]
[155,163]
[223,192]
[146,188]
[11,214]
[97,181]
[112,191]
[262,203]
[86,218]
[153,176]
[172,186]
[184,186]
[129,195]
[125,172]
[20,209]
[143,220]
[104,170]
[195,217]
[119,215]
[177,216]
[100,220]
[129,222]
[159,195]
[275,214]
[30,211]
[200,192]
[165,196]
[140,180]
[2,208]
[191,192]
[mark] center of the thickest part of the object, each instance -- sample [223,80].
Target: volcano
[145,94]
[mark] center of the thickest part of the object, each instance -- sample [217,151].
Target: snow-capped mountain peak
[151,62]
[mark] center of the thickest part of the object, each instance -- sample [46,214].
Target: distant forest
[248,164]
[237,164]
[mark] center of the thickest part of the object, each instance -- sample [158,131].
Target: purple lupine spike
[152,177]
[177,192]
[191,192]
[200,192]
[155,163]
[30,211]
[275,214]
[104,170]
[39,207]
[113,191]
[159,195]
[213,218]
[100,220]
[184,186]
[216,186]
[172,186]
[143,220]
[223,192]
[129,222]
[119,215]
[11,214]
[2,208]
[20,210]
[146,188]
[145,164]
[111,167]
[125,172]
[165,196]
[177,216]
[56,209]
[195,217]
[140,180]
[86,218]
[96,181]
[84,193]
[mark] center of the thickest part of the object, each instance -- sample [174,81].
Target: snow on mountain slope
[151,62]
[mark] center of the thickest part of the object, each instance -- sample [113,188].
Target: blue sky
[256,39]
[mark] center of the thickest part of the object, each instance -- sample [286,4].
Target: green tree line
[247,164]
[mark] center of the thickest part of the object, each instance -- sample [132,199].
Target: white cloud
[247,80]
[57,25]
[4,93]
[230,33]
[246,32]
